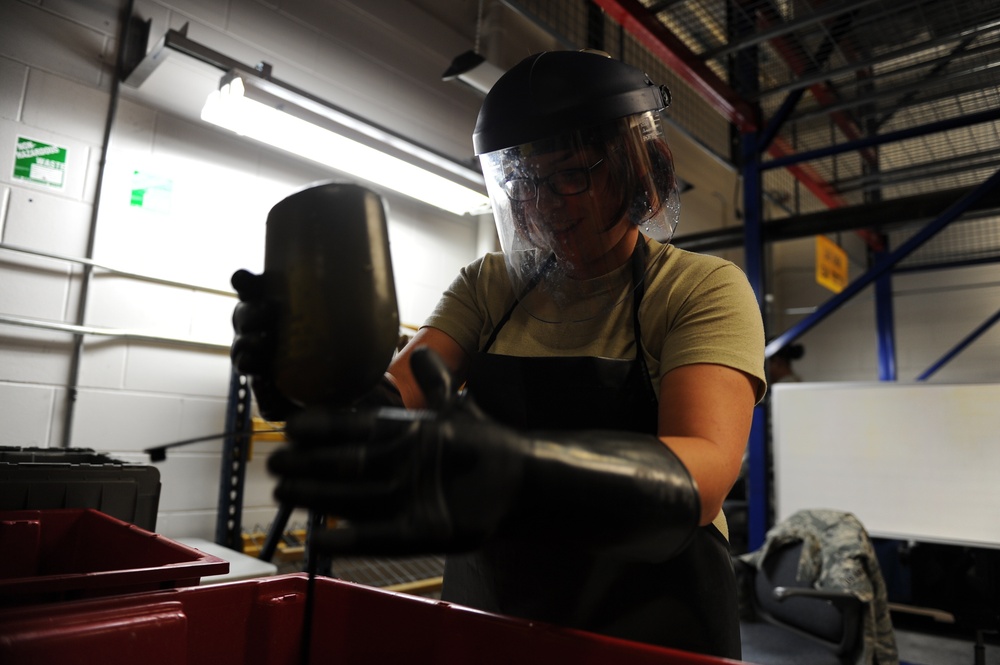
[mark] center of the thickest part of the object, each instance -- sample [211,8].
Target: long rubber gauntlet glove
[447,480]
[618,492]
[253,348]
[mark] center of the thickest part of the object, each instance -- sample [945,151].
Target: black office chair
[837,613]
[788,621]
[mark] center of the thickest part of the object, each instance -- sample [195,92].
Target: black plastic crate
[49,478]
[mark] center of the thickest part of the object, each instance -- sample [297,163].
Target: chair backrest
[816,617]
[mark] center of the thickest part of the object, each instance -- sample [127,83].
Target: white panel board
[912,461]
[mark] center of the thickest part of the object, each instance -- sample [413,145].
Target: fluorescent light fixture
[290,120]
[473,70]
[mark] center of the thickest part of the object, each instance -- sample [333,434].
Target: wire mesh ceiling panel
[924,71]
[580,24]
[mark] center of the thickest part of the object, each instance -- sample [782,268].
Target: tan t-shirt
[696,309]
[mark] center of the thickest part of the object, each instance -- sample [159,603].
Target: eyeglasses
[563,183]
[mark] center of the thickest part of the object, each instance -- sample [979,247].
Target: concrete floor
[923,649]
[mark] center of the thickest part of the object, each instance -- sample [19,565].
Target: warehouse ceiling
[825,75]
[831,79]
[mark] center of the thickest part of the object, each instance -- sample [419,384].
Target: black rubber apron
[688,602]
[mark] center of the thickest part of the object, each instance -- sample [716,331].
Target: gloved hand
[255,322]
[446,479]
[253,348]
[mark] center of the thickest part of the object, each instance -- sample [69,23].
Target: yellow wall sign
[831,264]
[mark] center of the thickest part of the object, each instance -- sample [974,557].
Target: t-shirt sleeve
[461,311]
[718,321]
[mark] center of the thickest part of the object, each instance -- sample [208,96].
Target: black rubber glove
[253,349]
[445,480]
[255,323]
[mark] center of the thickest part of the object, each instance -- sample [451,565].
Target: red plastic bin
[64,554]
[258,622]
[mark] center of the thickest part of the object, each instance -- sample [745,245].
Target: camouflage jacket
[838,554]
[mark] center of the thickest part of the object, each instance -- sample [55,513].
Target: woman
[610,383]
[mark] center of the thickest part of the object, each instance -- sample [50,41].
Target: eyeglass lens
[563,183]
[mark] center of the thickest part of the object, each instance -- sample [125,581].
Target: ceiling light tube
[280,117]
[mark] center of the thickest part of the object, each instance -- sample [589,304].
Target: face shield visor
[572,211]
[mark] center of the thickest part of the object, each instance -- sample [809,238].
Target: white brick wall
[133,395]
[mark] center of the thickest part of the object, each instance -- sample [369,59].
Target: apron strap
[639,282]
[536,278]
[638,260]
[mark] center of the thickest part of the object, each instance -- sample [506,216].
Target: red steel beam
[665,45]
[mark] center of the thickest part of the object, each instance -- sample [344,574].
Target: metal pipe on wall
[79,331]
[114,271]
[73,379]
